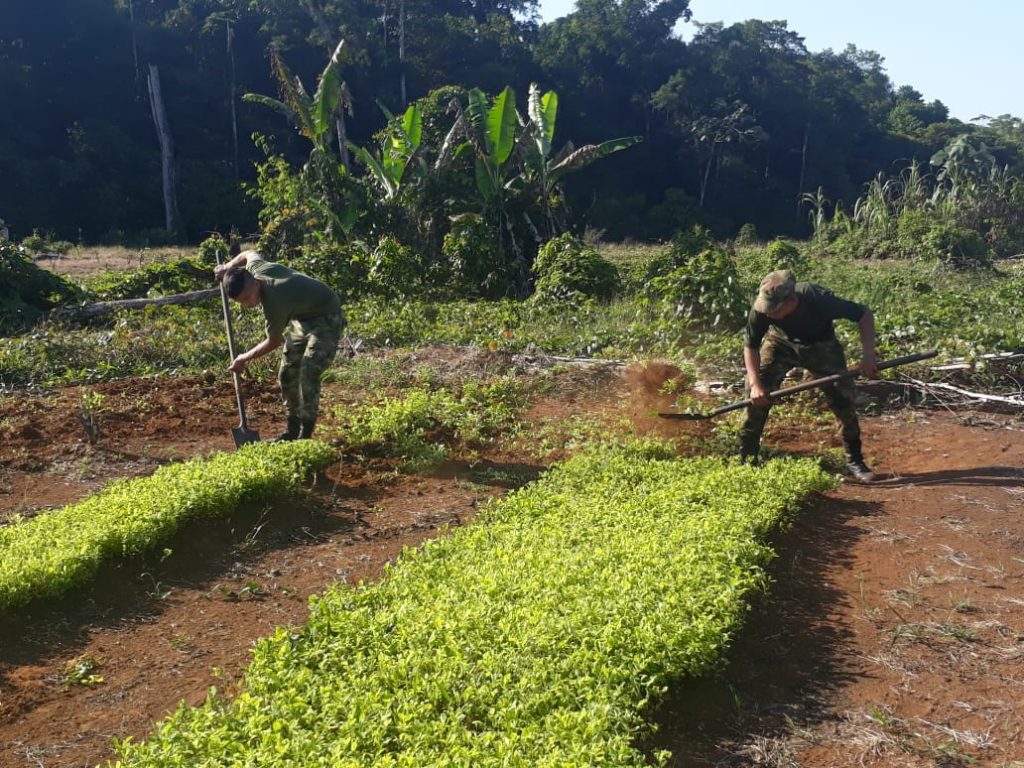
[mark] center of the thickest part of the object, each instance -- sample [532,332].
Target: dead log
[106,307]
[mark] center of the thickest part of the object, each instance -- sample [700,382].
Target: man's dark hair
[236,280]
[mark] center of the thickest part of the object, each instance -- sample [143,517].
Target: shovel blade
[685,416]
[243,436]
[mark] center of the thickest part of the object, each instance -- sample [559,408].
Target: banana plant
[399,148]
[493,135]
[314,118]
[541,171]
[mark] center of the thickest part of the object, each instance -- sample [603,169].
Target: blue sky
[968,55]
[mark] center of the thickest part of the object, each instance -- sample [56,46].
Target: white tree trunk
[231,96]
[401,50]
[163,132]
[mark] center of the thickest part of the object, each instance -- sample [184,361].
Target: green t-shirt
[810,322]
[289,295]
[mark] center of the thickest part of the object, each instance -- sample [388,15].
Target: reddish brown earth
[893,633]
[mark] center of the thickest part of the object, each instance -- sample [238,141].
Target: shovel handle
[850,374]
[243,422]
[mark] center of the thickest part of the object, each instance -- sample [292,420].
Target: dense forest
[735,127]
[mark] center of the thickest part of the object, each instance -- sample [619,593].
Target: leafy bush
[37,243]
[475,261]
[779,254]
[160,279]
[567,269]
[210,247]
[27,291]
[416,427]
[395,269]
[702,284]
[747,234]
[342,266]
[56,551]
[542,635]
[957,246]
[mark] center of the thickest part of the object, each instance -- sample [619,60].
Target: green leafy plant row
[56,551]
[416,426]
[539,636]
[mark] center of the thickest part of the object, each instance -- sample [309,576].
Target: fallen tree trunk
[106,307]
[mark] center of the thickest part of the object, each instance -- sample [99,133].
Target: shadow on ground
[787,661]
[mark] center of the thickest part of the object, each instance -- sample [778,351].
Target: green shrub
[395,269]
[56,551]
[26,290]
[747,234]
[416,427]
[160,279]
[475,261]
[957,246]
[210,247]
[542,635]
[567,269]
[703,285]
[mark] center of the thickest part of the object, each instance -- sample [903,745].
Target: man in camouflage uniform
[302,314]
[789,326]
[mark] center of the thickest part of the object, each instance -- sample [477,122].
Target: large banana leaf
[501,126]
[327,100]
[380,174]
[586,155]
[543,111]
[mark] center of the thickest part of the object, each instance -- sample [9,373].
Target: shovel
[241,433]
[800,387]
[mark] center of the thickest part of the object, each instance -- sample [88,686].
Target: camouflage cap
[775,289]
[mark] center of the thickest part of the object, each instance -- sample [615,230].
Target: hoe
[853,373]
[241,433]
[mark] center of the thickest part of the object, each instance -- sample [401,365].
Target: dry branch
[106,307]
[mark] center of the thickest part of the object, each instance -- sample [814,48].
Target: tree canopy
[737,124]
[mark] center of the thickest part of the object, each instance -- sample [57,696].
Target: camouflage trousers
[309,348]
[778,356]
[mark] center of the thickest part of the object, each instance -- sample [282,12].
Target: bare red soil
[892,634]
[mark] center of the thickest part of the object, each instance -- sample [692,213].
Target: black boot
[291,433]
[855,464]
[750,453]
[306,429]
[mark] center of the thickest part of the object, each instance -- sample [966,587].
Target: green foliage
[395,269]
[747,234]
[50,554]
[475,261]
[566,269]
[158,279]
[416,427]
[542,635]
[700,279]
[779,254]
[210,248]
[27,291]
[37,243]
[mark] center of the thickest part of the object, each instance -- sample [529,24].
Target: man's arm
[752,362]
[266,346]
[221,269]
[868,360]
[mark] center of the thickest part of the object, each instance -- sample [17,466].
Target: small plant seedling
[89,414]
[82,670]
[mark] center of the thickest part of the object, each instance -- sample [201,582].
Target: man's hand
[869,365]
[238,364]
[219,271]
[759,396]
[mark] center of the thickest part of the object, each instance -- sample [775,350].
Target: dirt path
[893,634]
